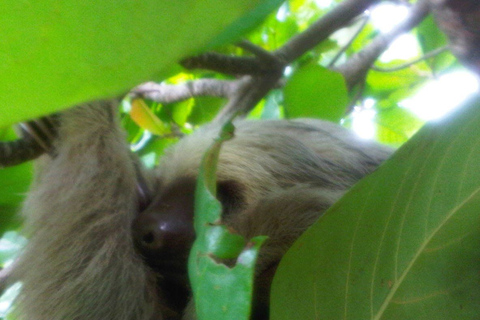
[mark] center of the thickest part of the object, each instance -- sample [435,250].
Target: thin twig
[426,56]
[356,68]
[170,93]
[259,52]
[365,20]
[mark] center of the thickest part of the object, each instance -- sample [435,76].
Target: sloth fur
[81,262]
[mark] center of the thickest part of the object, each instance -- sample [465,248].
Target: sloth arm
[80,261]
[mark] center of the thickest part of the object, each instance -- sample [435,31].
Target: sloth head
[263,158]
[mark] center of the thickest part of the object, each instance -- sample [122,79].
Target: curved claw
[36,138]
[42,130]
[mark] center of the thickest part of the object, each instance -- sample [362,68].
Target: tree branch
[36,138]
[407,64]
[460,20]
[166,93]
[365,20]
[337,18]
[262,72]
[262,54]
[356,68]
[265,69]
[249,93]
[231,65]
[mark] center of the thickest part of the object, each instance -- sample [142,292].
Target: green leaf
[223,244]
[314,91]
[56,54]
[205,109]
[430,38]
[396,125]
[246,23]
[221,292]
[404,243]
[389,81]
[181,110]
[364,37]
[14,184]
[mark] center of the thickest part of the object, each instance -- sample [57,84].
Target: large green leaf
[247,23]
[58,53]
[402,244]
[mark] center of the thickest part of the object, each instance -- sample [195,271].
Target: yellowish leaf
[146,119]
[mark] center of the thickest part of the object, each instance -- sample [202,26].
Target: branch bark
[270,65]
[460,20]
[166,93]
[36,139]
[356,68]
[334,20]
[426,56]
[265,69]
[252,90]
[225,64]
[262,72]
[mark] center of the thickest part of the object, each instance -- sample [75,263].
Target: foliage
[402,244]
[220,291]
[56,54]
[382,242]
[304,98]
[15,181]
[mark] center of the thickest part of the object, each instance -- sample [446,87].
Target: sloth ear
[231,194]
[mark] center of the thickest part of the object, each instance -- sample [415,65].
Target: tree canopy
[403,244]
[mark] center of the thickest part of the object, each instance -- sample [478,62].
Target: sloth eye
[230,194]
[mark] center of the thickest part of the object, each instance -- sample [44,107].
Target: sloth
[94,253]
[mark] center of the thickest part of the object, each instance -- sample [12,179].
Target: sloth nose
[162,234]
[151,233]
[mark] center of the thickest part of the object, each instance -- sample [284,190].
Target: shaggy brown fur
[81,262]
